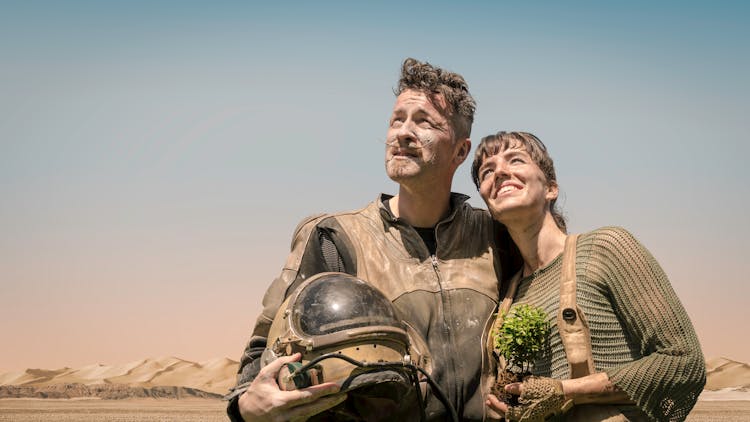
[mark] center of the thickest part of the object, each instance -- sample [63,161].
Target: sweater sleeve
[670,374]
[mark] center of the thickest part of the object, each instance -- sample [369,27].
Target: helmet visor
[340,302]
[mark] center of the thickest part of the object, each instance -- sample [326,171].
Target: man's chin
[400,173]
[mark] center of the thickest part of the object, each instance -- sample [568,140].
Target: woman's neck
[539,242]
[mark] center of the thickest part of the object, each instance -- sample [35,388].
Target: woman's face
[514,187]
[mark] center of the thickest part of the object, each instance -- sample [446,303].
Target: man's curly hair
[424,77]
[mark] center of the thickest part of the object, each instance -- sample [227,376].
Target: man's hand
[539,398]
[265,401]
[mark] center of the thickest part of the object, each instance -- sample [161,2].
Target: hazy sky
[155,157]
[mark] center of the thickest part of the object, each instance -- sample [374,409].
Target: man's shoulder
[329,220]
[477,212]
[477,218]
[461,202]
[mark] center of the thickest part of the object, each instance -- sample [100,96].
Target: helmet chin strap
[301,373]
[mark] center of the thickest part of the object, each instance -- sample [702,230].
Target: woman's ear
[552,191]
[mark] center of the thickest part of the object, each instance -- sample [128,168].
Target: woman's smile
[507,187]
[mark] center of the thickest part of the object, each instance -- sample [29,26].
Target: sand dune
[726,379]
[29,376]
[725,373]
[215,376]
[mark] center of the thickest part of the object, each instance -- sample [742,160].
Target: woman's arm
[594,388]
[666,381]
[545,396]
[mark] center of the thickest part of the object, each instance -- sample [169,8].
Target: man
[434,256]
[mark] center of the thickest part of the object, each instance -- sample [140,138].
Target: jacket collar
[456,199]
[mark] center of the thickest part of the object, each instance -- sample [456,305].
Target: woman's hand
[539,397]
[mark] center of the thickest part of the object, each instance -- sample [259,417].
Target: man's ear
[463,148]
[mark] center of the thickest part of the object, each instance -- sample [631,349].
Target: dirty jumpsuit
[448,297]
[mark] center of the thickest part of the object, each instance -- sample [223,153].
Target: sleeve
[316,248]
[666,381]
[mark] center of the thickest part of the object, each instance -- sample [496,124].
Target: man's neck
[421,209]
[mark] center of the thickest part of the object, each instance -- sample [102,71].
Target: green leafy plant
[522,336]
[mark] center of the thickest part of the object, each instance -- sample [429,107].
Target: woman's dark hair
[493,144]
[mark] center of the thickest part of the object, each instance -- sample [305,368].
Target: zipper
[434,260]
[448,328]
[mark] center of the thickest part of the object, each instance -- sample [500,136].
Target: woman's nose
[501,168]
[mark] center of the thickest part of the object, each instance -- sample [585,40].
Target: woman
[646,356]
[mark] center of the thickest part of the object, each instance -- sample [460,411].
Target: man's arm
[315,249]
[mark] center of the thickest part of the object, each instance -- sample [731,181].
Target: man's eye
[396,123]
[485,174]
[517,160]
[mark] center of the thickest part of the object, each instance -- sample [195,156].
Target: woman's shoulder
[610,240]
[613,252]
[609,234]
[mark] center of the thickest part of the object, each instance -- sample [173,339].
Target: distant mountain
[215,376]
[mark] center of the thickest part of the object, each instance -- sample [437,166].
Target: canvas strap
[571,322]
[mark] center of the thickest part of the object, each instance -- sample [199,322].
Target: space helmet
[349,333]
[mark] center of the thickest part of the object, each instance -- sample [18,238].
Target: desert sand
[720,411]
[195,410]
[91,410]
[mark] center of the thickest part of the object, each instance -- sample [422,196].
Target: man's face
[420,142]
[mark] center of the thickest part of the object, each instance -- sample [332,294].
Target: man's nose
[406,132]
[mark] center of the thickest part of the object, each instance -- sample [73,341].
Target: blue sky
[155,157]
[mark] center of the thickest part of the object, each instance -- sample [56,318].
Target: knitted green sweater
[641,335]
